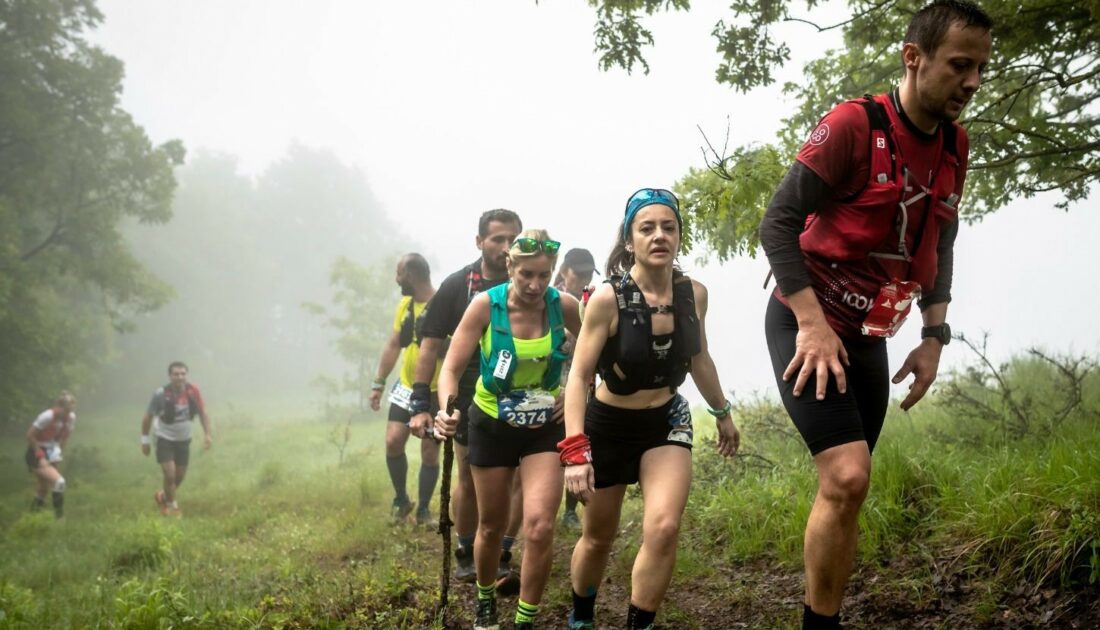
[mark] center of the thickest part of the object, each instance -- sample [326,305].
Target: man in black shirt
[496,231]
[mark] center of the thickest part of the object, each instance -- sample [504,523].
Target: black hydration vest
[629,362]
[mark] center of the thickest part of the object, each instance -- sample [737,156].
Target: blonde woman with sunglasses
[518,328]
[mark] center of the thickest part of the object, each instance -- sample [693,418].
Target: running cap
[647,197]
[579,260]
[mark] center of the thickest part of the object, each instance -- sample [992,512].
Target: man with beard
[173,407]
[863,224]
[414,278]
[497,229]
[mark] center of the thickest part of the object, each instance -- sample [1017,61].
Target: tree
[1033,125]
[73,166]
[362,327]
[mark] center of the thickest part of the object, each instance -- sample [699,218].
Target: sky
[450,108]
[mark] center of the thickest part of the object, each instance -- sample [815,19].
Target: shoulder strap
[950,139]
[879,121]
[556,318]
[500,341]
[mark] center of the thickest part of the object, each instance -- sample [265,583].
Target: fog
[364,129]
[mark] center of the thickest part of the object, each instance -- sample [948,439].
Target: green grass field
[275,534]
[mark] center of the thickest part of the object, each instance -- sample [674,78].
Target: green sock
[526,613]
[487,592]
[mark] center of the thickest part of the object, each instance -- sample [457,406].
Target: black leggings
[853,416]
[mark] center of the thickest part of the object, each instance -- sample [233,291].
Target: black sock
[428,476]
[584,608]
[399,470]
[570,502]
[638,619]
[816,621]
[38,504]
[58,503]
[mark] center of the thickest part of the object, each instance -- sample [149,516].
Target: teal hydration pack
[501,341]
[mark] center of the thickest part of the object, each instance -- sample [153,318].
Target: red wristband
[575,450]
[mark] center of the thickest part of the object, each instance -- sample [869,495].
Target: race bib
[53,454]
[531,408]
[890,308]
[679,419]
[399,395]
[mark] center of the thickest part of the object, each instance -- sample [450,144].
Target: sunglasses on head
[529,245]
[647,196]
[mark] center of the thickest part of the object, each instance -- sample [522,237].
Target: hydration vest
[58,428]
[627,366]
[501,341]
[874,222]
[168,405]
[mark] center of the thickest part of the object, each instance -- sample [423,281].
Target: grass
[276,535]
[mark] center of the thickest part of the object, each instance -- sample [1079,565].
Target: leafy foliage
[73,166]
[1033,125]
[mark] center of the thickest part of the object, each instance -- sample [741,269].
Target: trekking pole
[445,522]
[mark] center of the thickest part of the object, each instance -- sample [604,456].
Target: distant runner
[46,439]
[174,407]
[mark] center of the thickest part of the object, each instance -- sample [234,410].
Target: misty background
[325,129]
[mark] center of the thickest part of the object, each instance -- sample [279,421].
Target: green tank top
[523,369]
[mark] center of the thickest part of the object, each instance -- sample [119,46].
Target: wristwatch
[941,332]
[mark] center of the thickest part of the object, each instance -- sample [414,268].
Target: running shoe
[583,624]
[465,571]
[524,625]
[570,520]
[486,618]
[423,516]
[162,503]
[401,510]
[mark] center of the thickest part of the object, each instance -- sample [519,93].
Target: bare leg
[492,507]
[666,479]
[541,477]
[168,469]
[464,497]
[843,477]
[598,530]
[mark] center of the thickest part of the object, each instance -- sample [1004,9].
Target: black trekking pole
[445,521]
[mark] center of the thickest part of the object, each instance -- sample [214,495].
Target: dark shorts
[620,437]
[494,442]
[171,451]
[853,416]
[402,415]
[31,458]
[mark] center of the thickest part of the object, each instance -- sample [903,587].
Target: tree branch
[1012,159]
[821,29]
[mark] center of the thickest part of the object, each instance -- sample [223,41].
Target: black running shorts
[620,437]
[493,442]
[853,416]
[172,451]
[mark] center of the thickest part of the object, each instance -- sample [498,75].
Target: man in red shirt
[863,223]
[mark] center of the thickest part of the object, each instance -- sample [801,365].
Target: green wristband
[724,411]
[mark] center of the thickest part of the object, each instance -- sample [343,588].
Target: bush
[143,605]
[18,607]
[145,546]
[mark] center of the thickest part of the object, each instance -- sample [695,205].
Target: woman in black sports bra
[643,333]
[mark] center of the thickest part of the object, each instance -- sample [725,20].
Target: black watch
[941,332]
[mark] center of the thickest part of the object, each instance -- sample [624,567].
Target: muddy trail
[909,592]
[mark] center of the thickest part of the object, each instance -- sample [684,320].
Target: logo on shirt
[820,135]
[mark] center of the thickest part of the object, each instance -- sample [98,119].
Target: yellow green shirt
[412,351]
[531,354]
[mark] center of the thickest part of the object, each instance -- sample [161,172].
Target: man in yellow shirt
[414,278]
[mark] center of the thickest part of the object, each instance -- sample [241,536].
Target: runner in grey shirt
[174,407]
